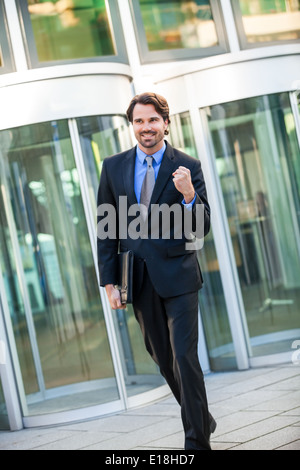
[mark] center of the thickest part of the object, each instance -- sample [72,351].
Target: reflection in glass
[271,20]
[211,297]
[71,29]
[178,24]
[49,273]
[257,159]
[181,134]
[4,425]
[100,137]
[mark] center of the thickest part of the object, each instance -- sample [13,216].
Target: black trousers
[170,330]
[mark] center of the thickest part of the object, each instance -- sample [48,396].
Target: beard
[150,139]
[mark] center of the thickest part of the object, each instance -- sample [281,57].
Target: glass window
[261,21]
[71,30]
[179,28]
[257,159]
[6,58]
[211,297]
[101,136]
[181,134]
[49,273]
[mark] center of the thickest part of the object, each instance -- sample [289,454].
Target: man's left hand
[183,183]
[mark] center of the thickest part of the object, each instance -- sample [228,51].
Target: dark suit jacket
[173,270]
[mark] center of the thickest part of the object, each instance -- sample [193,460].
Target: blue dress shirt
[141,168]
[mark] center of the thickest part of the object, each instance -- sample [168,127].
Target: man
[167,275]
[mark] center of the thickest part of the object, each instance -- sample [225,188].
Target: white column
[141,82]
[230,26]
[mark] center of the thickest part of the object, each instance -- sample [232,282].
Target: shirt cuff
[190,204]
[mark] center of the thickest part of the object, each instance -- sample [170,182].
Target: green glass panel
[257,159]
[271,20]
[211,297]
[178,24]
[71,29]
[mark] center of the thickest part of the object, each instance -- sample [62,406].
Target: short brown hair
[159,102]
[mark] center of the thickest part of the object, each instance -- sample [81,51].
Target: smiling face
[149,128]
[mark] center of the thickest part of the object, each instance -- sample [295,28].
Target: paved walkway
[257,409]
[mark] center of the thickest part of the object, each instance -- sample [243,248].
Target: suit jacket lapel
[167,167]
[128,175]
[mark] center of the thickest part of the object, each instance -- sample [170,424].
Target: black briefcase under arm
[125,276]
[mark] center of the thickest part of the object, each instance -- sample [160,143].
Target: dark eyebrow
[151,117]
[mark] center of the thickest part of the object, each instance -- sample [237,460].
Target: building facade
[230,70]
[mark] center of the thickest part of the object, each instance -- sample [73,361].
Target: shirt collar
[158,156]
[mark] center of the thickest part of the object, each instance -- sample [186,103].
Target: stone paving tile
[293,412]
[258,429]
[77,441]
[158,409]
[284,403]
[292,383]
[173,441]
[248,399]
[238,420]
[222,445]
[140,437]
[273,440]
[34,438]
[291,446]
[122,423]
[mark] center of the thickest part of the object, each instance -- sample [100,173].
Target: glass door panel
[257,160]
[14,296]
[100,137]
[213,309]
[49,273]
